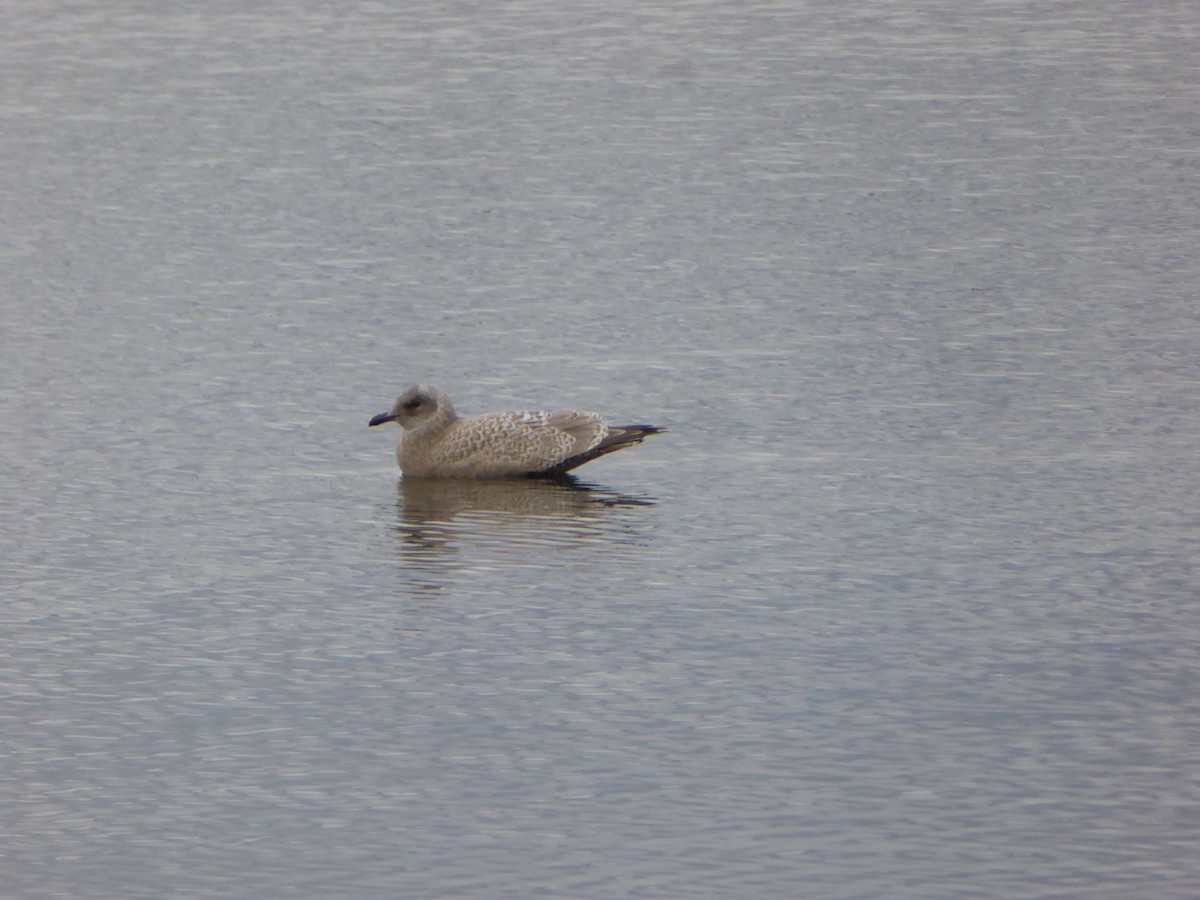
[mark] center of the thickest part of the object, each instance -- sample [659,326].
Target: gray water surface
[903,604]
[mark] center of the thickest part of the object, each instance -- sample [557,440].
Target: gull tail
[618,437]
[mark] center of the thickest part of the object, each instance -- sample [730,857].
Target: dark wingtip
[622,436]
[642,430]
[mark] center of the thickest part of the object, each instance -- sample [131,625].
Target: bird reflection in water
[514,519]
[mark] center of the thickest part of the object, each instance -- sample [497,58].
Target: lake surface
[904,603]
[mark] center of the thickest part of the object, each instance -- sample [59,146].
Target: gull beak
[380,419]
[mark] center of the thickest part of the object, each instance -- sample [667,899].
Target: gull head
[418,405]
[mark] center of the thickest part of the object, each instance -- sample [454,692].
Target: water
[903,604]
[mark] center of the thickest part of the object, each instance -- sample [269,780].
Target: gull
[436,442]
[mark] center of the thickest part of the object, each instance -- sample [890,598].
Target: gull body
[436,442]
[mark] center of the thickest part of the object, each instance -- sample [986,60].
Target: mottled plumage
[434,441]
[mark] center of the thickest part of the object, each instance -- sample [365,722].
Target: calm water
[904,604]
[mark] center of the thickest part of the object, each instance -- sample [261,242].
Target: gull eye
[413,404]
